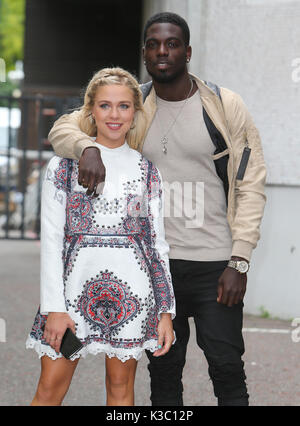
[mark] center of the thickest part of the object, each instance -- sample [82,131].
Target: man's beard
[164,78]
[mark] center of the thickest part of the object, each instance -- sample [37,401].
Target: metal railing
[24,151]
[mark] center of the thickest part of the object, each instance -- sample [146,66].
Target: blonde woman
[104,261]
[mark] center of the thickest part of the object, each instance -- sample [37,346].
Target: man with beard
[203,135]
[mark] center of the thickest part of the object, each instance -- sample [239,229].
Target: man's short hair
[171,18]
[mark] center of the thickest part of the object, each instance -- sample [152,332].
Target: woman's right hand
[165,334]
[55,328]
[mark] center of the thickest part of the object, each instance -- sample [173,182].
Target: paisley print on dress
[107,302]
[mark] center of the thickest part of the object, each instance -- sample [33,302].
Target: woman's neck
[109,143]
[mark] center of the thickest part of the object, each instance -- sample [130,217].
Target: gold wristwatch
[242,266]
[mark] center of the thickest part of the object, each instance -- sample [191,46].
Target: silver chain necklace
[164,139]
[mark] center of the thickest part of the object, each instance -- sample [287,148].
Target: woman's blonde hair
[108,76]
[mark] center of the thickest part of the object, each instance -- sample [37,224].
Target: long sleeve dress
[104,260]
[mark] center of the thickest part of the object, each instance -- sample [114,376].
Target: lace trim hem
[93,348]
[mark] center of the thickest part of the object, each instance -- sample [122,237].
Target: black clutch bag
[70,344]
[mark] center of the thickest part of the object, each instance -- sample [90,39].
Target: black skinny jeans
[219,335]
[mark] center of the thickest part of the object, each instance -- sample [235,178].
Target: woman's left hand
[165,334]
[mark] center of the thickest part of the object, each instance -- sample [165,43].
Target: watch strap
[234,264]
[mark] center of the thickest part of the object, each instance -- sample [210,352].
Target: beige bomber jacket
[246,197]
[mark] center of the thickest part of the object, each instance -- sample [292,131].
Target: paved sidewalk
[272,359]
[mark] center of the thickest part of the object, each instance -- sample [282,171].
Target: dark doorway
[66,41]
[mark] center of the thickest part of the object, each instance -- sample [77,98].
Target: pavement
[272,357]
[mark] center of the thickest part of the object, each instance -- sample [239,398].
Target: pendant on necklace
[164,141]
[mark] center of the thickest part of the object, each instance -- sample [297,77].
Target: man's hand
[232,286]
[91,170]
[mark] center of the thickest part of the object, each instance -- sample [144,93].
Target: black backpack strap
[221,145]
[146,89]
[218,141]
[214,133]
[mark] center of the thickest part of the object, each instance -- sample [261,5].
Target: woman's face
[113,111]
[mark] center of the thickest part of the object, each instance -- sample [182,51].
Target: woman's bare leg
[55,379]
[120,377]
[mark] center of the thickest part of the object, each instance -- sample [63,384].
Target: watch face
[243,267]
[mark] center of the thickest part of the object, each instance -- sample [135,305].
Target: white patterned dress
[104,260]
